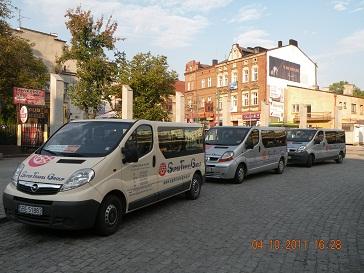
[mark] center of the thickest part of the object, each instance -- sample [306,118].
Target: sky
[329,32]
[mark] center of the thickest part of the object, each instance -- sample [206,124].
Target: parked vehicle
[233,152]
[91,172]
[307,146]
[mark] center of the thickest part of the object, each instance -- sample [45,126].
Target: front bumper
[56,214]
[220,171]
[297,157]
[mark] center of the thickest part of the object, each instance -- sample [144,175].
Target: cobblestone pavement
[215,232]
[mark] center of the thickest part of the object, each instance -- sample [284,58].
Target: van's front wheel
[281,165]
[195,189]
[109,215]
[239,174]
[310,160]
[340,158]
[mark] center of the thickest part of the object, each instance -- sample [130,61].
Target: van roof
[321,129]
[255,127]
[160,123]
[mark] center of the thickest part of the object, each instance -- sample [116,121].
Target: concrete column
[127,102]
[56,102]
[226,115]
[18,135]
[303,116]
[180,107]
[45,133]
[264,114]
[338,117]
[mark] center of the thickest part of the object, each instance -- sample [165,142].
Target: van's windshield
[86,139]
[297,135]
[228,136]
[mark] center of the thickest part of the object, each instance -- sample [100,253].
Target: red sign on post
[251,116]
[28,96]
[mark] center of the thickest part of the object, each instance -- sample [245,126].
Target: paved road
[215,232]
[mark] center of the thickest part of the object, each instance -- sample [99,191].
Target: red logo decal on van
[39,160]
[162,169]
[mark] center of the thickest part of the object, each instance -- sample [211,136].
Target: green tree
[18,66]
[338,87]
[90,40]
[152,82]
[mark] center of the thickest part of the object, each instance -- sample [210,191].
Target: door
[319,145]
[331,146]
[140,176]
[253,150]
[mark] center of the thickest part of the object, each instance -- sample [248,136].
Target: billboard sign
[23,114]
[251,116]
[283,69]
[28,96]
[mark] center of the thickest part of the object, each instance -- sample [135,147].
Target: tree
[18,66]
[90,40]
[152,82]
[338,87]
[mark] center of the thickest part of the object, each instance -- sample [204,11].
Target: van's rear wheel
[281,165]
[109,215]
[195,190]
[239,174]
[339,158]
[310,161]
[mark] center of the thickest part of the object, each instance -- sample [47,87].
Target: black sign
[284,69]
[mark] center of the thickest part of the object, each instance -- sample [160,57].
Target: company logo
[162,169]
[39,160]
[34,187]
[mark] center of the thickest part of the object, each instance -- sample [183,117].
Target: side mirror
[130,155]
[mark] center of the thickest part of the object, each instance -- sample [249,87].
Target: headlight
[16,174]
[227,156]
[78,179]
[301,149]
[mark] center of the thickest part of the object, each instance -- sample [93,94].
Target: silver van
[307,146]
[233,152]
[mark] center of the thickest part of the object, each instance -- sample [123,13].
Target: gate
[31,135]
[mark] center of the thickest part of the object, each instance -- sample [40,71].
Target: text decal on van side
[39,160]
[176,167]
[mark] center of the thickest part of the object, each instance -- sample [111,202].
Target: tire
[339,158]
[194,192]
[109,216]
[281,166]
[310,161]
[240,174]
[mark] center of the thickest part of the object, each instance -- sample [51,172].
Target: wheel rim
[111,214]
[195,185]
[241,174]
[281,165]
[340,157]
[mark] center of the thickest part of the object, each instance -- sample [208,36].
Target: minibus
[91,172]
[233,152]
[307,146]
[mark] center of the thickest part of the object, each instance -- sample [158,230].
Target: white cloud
[340,5]
[353,43]
[146,24]
[357,9]
[255,37]
[192,5]
[249,13]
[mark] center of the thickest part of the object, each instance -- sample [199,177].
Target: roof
[296,47]
[179,86]
[40,32]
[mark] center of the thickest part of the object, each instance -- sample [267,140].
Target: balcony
[315,116]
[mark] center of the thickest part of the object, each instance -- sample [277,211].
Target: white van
[233,152]
[91,172]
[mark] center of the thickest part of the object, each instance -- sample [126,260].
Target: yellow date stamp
[296,244]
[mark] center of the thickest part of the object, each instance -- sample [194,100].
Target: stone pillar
[18,135]
[180,107]
[225,111]
[45,133]
[56,102]
[127,102]
[303,116]
[338,117]
[264,114]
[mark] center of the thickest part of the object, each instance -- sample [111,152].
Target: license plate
[30,210]
[209,169]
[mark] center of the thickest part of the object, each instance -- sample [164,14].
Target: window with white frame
[246,74]
[209,82]
[361,110]
[344,105]
[234,76]
[226,80]
[245,98]
[234,103]
[254,98]
[202,102]
[203,83]
[295,108]
[209,99]
[353,108]
[188,86]
[220,104]
[255,73]
[190,103]
[220,81]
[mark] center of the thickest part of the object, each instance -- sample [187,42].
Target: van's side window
[253,138]
[274,138]
[340,137]
[141,139]
[331,137]
[319,137]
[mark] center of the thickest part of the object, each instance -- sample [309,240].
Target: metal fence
[8,134]
[31,135]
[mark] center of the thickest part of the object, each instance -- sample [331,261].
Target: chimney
[214,62]
[348,89]
[293,42]
[280,43]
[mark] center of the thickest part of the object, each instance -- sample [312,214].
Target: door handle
[153,160]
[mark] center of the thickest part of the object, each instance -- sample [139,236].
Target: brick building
[233,92]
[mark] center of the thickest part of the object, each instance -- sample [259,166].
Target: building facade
[234,91]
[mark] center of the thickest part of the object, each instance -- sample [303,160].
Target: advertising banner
[282,69]
[28,96]
[276,109]
[251,116]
